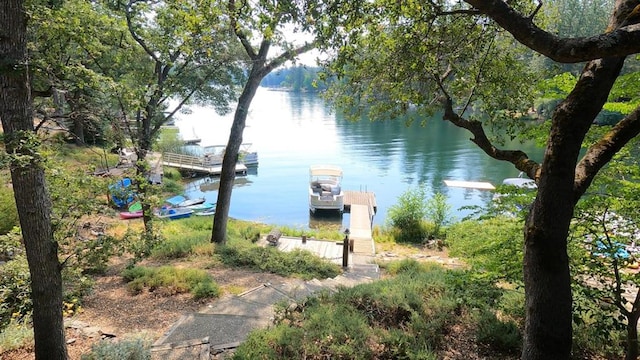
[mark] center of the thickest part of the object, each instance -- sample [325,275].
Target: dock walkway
[196,164]
[361,205]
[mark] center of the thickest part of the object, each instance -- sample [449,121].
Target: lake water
[293,131]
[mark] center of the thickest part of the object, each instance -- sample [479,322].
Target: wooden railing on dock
[196,164]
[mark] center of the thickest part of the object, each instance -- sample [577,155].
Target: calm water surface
[291,131]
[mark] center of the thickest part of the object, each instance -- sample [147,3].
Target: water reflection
[329,220]
[291,132]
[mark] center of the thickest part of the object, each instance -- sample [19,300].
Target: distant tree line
[297,78]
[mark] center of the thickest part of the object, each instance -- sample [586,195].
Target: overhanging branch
[622,41]
[288,55]
[600,153]
[518,158]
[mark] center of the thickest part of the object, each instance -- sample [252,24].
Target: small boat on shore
[180,201]
[205,206]
[206,213]
[174,213]
[126,215]
[191,202]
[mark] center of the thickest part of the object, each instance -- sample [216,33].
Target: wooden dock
[196,164]
[362,207]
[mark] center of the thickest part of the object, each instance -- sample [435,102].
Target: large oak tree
[458,57]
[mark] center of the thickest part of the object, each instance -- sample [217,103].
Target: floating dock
[197,164]
[480,185]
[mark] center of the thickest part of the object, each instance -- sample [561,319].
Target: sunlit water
[292,131]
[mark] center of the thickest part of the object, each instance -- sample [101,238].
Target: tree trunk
[78,131]
[219,232]
[32,198]
[548,333]
[632,336]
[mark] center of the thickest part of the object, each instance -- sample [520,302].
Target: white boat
[205,206]
[325,189]
[521,182]
[206,213]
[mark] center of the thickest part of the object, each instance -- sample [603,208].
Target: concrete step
[265,294]
[317,286]
[223,331]
[235,305]
[197,349]
[371,271]
[296,289]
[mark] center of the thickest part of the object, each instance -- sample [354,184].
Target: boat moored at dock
[325,188]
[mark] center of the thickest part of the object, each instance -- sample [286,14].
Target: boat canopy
[325,170]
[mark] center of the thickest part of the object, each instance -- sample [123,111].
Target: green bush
[403,317]
[171,186]
[178,247]
[501,336]
[250,233]
[493,246]
[511,304]
[174,280]
[15,291]
[15,335]
[11,245]
[8,211]
[438,211]
[414,218]
[299,263]
[119,350]
[410,210]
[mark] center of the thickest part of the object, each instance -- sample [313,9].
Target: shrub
[178,247]
[298,263]
[172,279]
[405,317]
[250,233]
[119,350]
[438,211]
[15,335]
[410,210]
[15,291]
[502,336]
[493,245]
[8,211]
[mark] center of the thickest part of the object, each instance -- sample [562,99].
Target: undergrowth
[406,316]
[171,279]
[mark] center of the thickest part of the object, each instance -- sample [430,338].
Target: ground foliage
[405,316]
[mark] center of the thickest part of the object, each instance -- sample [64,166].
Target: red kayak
[130,214]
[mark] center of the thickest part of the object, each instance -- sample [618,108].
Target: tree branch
[135,36]
[288,55]
[623,41]
[601,152]
[518,158]
[239,34]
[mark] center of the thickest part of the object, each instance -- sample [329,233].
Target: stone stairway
[220,327]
